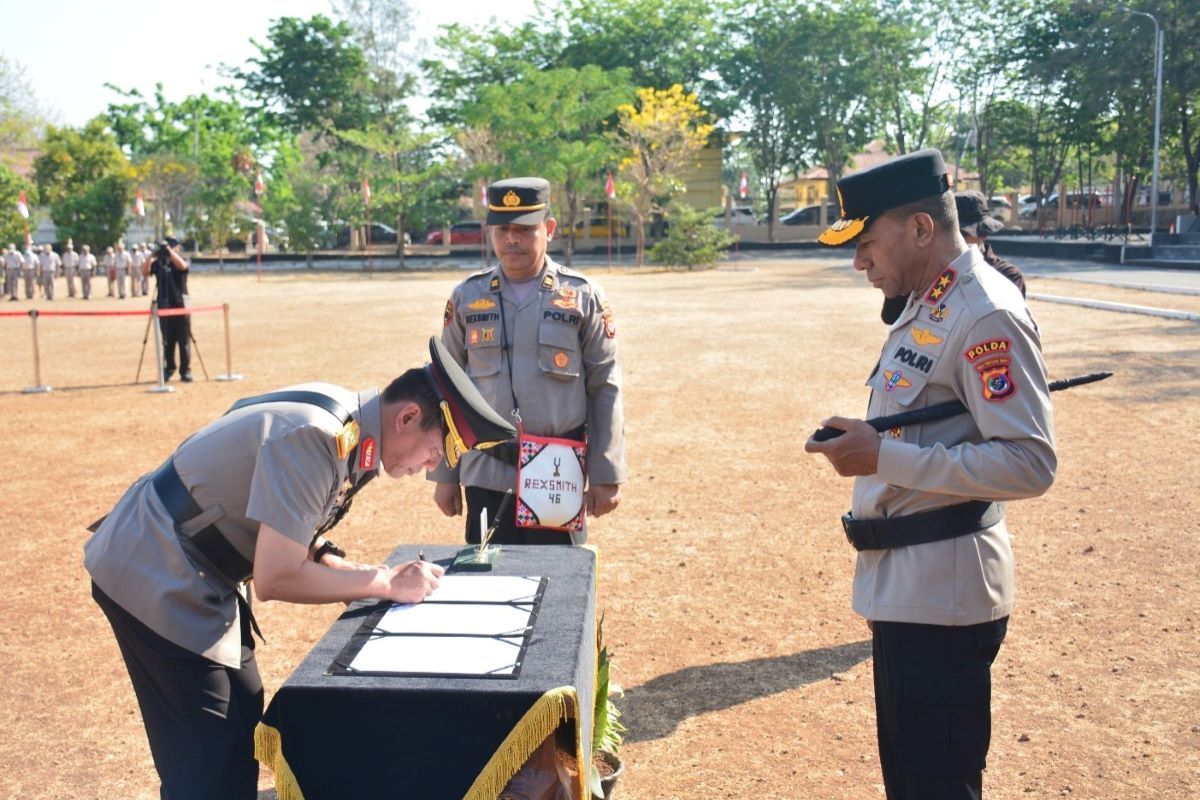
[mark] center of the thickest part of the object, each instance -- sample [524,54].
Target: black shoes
[186,377]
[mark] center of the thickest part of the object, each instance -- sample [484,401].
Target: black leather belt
[948,522]
[210,541]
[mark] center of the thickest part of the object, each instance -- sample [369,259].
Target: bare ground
[725,576]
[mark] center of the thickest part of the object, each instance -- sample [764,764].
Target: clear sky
[71,48]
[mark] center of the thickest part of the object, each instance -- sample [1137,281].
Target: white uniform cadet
[107,266]
[29,269]
[12,271]
[49,265]
[70,263]
[120,264]
[87,268]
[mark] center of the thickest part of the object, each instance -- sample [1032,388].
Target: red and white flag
[366,191]
[610,188]
[743,186]
[258,184]
[139,205]
[483,194]
[23,206]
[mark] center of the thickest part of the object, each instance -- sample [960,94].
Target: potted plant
[607,731]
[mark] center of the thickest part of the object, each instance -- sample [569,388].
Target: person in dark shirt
[170,269]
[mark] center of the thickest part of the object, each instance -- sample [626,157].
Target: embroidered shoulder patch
[347,438]
[366,454]
[448,314]
[482,304]
[941,286]
[924,336]
[986,348]
[998,384]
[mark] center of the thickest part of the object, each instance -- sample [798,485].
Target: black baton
[951,408]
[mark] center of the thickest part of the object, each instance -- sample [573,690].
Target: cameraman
[170,270]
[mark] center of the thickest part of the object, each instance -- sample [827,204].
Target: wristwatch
[327,548]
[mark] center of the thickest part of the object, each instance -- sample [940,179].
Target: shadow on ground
[654,709]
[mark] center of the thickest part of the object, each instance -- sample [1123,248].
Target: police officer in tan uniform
[49,264]
[241,499]
[70,264]
[87,268]
[538,338]
[12,271]
[934,576]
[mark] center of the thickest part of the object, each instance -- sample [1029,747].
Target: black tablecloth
[346,736]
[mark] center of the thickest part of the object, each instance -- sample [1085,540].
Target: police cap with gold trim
[864,196]
[518,201]
[468,422]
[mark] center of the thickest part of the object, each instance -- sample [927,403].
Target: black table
[328,735]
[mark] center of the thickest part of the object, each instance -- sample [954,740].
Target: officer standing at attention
[934,576]
[48,266]
[70,264]
[12,271]
[29,269]
[240,499]
[87,267]
[540,341]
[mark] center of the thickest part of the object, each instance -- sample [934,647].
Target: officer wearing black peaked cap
[934,572]
[254,494]
[540,341]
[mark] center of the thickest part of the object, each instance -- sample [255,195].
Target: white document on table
[439,655]
[484,589]
[465,619]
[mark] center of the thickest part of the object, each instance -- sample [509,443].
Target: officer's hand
[448,497]
[412,582]
[855,452]
[602,498]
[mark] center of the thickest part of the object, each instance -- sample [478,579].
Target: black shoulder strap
[296,396]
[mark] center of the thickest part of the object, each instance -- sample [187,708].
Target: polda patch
[988,347]
[998,384]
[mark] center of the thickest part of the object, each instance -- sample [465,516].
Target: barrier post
[158,354]
[39,388]
[229,375]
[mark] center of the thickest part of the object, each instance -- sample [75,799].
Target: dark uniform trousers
[507,531]
[176,332]
[191,706]
[933,693]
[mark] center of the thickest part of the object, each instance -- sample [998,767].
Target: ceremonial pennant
[258,184]
[610,189]
[366,187]
[743,186]
[23,207]
[139,205]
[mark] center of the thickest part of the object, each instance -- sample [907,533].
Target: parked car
[740,216]
[380,234]
[469,232]
[810,215]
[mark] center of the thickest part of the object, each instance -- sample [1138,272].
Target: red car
[460,233]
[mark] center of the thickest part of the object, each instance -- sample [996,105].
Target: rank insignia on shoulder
[924,336]
[366,454]
[941,286]
[494,286]
[482,304]
[448,314]
[347,438]
[547,282]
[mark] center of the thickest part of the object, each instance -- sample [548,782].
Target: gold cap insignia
[511,199]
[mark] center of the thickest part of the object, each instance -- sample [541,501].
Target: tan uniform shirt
[70,262]
[969,337]
[563,346]
[273,463]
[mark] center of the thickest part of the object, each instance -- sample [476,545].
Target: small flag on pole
[23,206]
[610,188]
[258,184]
[366,187]
[743,187]
[139,205]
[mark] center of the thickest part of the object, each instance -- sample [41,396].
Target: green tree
[310,75]
[554,123]
[12,225]
[87,182]
[21,121]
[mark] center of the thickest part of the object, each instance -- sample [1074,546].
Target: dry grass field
[726,578]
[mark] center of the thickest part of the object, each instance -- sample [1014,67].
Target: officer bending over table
[238,500]
[934,576]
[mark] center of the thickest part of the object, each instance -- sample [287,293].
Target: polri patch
[347,438]
[366,454]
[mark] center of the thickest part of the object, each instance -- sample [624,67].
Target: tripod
[146,336]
